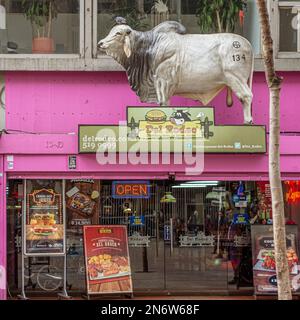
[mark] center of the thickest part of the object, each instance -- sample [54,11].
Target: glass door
[207,249]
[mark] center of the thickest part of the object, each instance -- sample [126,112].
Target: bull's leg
[244,94]
[162,92]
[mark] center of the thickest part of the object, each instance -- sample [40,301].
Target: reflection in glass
[45,26]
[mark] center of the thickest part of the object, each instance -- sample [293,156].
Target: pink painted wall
[56,102]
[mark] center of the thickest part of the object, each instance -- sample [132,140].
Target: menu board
[107,259]
[44,223]
[82,202]
[264,267]
[264,199]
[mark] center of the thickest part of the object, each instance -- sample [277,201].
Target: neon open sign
[131,189]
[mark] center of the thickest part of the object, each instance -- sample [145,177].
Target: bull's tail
[251,74]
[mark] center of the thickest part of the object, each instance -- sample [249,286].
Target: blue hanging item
[241,218]
[241,189]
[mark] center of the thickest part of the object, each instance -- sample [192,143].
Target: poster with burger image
[177,123]
[82,203]
[264,265]
[44,223]
[169,123]
[107,259]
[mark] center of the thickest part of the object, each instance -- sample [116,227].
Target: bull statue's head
[117,41]
[120,39]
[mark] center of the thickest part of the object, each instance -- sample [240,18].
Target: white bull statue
[166,61]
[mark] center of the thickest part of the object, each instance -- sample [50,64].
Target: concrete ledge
[73,62]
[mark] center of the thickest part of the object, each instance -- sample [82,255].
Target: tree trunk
[274,84]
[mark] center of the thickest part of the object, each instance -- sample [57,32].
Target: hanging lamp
[168,198]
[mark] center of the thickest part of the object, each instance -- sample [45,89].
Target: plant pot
[42,45]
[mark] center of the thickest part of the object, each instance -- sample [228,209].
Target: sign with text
[240,218]
[44,223]
[264,266]
[107,259]
[172,130]
[82,203]
[137,220]
[131,189]
[72,162]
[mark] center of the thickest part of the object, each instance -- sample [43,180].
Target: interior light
[202,182]
[190,186]
[168,198]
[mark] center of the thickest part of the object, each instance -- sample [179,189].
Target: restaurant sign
[163,129]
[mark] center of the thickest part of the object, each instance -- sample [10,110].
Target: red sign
[131,189]
[292,194]
[107,259]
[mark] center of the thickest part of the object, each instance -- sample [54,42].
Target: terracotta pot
[42,45]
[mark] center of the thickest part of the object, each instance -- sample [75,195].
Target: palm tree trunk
[274,84]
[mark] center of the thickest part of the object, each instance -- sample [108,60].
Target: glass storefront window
[146,14]
[288,41]
[287,38]
[40,26]
[200,241]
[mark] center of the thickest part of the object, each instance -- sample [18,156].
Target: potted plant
[220,15]
[41,14]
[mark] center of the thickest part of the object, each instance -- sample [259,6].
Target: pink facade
[43,110]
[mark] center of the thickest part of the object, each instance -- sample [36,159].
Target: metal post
[23,244]
[157,230]
[64,293]
[171,235]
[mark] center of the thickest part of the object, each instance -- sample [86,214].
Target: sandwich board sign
[107,261]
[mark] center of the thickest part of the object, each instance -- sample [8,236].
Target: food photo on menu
[266,260]
[264,264]
[107,266]
[82,202]
[43,223]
